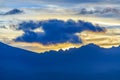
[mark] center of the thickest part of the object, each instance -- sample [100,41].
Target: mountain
[89,62]
[13,11]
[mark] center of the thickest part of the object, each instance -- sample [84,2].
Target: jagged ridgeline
[89,62]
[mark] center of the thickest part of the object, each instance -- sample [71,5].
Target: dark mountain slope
[89,62]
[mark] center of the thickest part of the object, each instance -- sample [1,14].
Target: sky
[71,38]
[22,3]
[25,23]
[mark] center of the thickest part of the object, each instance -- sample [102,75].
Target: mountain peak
[89,61]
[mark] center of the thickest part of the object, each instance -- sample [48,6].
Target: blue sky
[40,3]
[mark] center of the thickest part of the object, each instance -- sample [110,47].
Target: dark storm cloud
[30,25]
[55,31]
[12,12]
[106,10]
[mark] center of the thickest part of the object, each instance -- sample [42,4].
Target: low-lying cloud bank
[55,31]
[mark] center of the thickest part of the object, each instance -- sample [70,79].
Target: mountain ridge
[87,62]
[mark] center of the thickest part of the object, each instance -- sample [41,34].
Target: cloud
[97,11]
[55,31]
[30,25]
[13,11]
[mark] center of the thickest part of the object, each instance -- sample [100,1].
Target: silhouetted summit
[89,62]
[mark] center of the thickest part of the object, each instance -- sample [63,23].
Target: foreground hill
[89,62]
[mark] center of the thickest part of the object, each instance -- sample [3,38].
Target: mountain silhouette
[89,62]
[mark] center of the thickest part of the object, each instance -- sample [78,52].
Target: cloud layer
[55,31]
